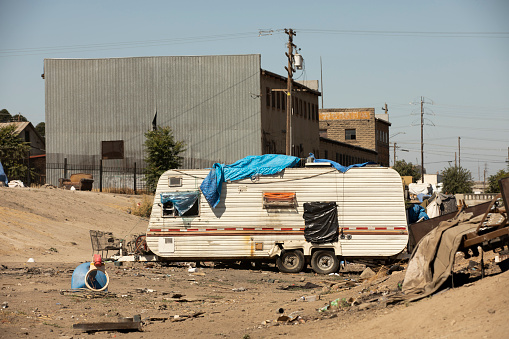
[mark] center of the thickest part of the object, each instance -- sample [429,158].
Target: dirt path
[216,301]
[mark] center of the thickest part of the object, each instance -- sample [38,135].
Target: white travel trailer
[262,217]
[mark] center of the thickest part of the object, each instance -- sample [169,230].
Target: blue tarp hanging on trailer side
[3,176]
[247,167]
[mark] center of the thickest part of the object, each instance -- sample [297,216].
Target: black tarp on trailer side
[321,220]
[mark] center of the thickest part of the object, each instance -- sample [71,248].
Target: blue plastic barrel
[96,281]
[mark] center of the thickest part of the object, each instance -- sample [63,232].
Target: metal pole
[134,177]
[459,152]
[65,168]
[101,176]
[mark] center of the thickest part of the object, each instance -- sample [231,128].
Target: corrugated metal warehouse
[200,97]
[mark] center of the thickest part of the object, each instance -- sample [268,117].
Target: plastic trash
[90,275]
[31,260]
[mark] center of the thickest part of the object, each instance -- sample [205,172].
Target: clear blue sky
[453,53]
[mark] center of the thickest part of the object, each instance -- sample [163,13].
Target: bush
[143,208]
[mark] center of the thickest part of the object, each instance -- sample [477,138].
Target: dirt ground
[218,300]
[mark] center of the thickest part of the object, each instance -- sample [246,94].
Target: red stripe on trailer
[400,228]
[286,229]
[230,229]
[361,228]
[380,228]
[248,229]
[192,230]
[268,229]
[210,229]
[173,230]
[302,229]
[155,230]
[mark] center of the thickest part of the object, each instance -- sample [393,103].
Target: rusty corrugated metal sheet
[210,102]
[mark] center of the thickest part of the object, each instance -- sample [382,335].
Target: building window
[350,134]
[283,101]
[323,133]
[273,99]
[326,153]
[278,95]
[267,96]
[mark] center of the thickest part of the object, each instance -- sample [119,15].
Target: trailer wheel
[291,262]
[324,262]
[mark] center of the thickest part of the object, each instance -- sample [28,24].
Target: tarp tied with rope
[247,167]
[182,201]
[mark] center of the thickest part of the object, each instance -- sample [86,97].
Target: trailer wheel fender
[290,261]
[324,262]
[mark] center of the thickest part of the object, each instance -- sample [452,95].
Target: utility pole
[291,33]
[394,154]
[422,139]
[321,79]
[459,151]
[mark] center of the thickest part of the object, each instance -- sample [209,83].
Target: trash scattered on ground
[306,286]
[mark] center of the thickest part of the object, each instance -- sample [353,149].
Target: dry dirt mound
[52,225]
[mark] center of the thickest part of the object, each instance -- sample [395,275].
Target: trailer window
[174,181]
[279,200]
[180,204]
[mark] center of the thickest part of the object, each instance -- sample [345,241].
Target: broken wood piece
[108,326]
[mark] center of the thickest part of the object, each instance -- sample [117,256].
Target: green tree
[5,116]
[493,186]
[13,152]
[457,179]
[409,169]
[162,152]
[41,129]
[19,117]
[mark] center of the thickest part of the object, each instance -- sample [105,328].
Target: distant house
[37,160]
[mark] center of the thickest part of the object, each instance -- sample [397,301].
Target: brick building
[304,118]
[358,127]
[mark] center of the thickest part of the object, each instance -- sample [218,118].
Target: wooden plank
[108,326]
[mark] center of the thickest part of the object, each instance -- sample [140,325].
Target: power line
[125,44]
[411,33]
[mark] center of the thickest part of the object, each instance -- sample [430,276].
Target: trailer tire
[324,262]
[291,261]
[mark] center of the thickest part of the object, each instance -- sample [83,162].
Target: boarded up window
[112,149]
